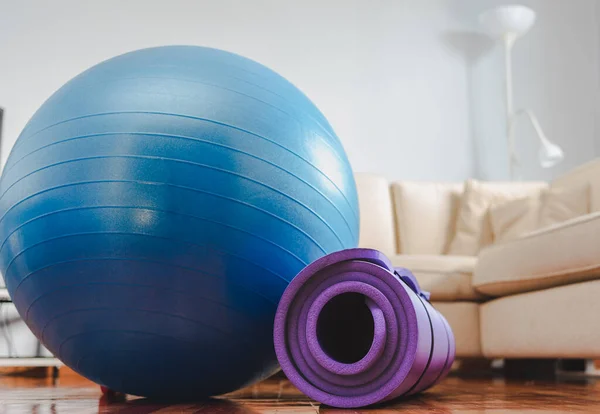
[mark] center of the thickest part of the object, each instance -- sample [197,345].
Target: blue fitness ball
[155,208]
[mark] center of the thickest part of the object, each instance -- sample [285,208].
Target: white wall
[377,69]
[411,93]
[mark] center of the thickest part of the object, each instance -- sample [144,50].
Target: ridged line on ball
[195,139]
[334,151]
[321,124]
[9,166]
[8,274]
[163,159]
[291,199]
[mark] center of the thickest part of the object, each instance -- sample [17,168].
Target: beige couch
[536,296]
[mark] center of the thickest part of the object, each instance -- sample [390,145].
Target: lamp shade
[511,19]
[550,154]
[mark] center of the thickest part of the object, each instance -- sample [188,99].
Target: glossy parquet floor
[72,394]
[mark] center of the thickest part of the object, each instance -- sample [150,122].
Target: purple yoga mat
[351,331]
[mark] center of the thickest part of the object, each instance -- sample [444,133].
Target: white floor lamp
[509,23]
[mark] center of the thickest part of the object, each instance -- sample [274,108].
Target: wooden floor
[72,394]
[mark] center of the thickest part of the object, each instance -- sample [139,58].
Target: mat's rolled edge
[413,365]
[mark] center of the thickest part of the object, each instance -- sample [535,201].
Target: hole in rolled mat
[345,328]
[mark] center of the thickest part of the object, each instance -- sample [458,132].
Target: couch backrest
[416,217]
[587,173]
[377,228]
[473,225]
[407,217]
[425,215]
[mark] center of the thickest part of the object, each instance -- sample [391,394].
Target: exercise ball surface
[155,208]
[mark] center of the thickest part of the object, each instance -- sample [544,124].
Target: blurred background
[414,89]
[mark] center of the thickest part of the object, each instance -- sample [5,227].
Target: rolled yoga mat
[351,330]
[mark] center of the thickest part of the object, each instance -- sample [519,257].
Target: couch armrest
[562,254]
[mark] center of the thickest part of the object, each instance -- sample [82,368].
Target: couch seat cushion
[560,254]
[560,322]
[463,318]
[448,278]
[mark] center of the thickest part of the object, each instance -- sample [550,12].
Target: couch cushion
[463,318]
[4,296]
[586,174]
[561,322]
[376,213]
[564,253]
[425,215]
[564,203]
[518,217]
[473,230]
[514,218]
[448,278]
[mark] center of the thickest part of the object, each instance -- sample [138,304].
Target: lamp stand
[509,22]
[513,161]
